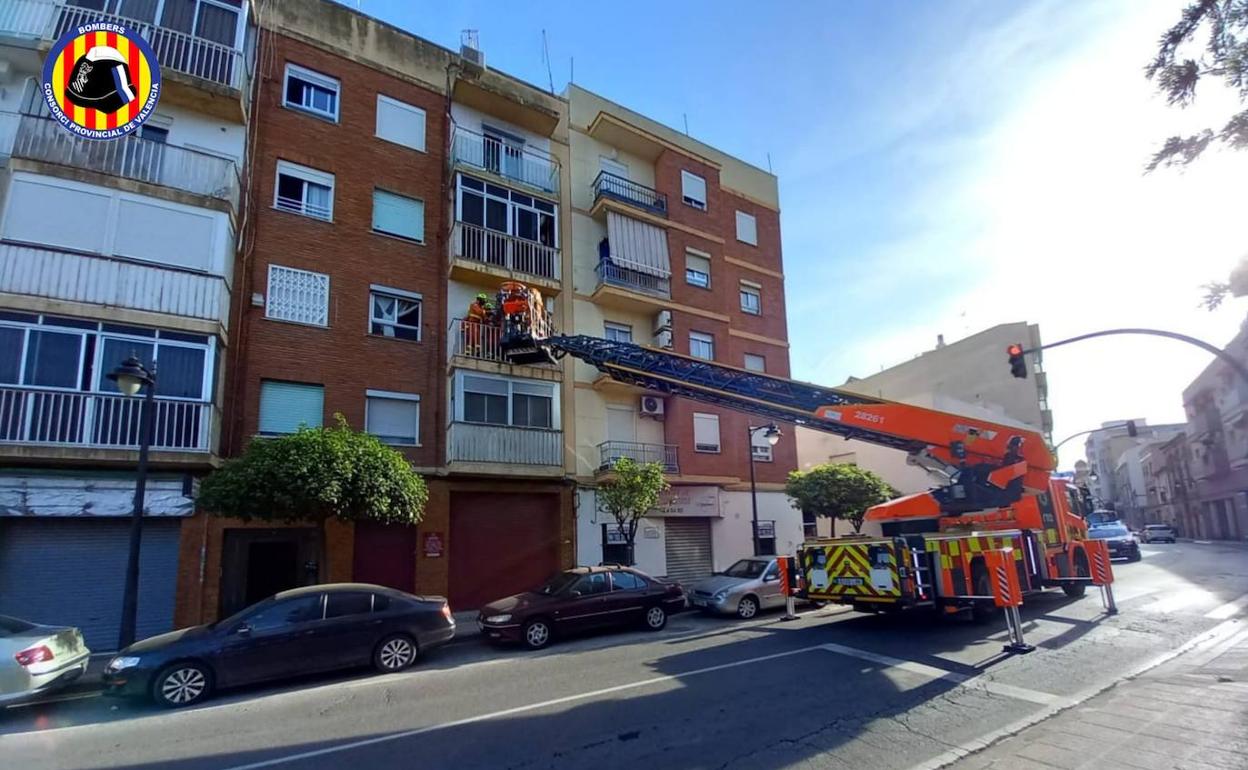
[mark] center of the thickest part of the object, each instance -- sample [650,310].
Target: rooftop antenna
[685,115]
[546,58]
[468,38]
[769,171]
[571,69]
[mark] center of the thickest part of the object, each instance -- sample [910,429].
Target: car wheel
[656,618]
[537,634]
[1134,555]
[182,684]
[395,653]
[747,607]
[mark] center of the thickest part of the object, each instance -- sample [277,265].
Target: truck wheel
[1077,590]
[984,609]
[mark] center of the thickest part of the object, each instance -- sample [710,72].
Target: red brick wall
[344,357]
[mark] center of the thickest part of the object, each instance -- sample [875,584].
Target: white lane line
[517,710]
[1212,638]
[1228,610]
[962,680]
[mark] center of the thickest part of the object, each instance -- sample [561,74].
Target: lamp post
[130,377]
[773,437]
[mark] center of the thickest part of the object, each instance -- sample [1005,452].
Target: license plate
[698,602]
[847,581]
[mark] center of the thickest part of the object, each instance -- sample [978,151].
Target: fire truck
[998,528]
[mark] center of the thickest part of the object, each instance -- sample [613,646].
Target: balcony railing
[473,443]
[94,420]
[130,156]
[521,164]
[608,185]
[476,340]
[626,275]
[504,251]
[663,454]
[25,18]
[195,56]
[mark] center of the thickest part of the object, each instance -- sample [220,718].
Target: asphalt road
[833,689]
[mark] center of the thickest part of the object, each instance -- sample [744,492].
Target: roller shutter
[688,546]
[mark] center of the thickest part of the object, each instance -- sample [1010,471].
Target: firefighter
[480,315]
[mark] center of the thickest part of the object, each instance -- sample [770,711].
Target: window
[751,299]
[518,403]
[767,545]
[693,190]
[485,400]
[400,123]
[755,363]
[810,527]
[617,332]
[311,92]
[705,432]
[302,190]
[285,406]
[760,448]
[593,583]
[296,295]
[394,313]
[626,581]
[399,215]
[697,269]
[747,228]
[341,605]
[394,418]
[702,346]
[287,612]
[489,207]
[381,602]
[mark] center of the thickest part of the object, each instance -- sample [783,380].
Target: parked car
[1121,541]
[301,631]
[749,585]
[36,659]
[581,599]
[1157,533]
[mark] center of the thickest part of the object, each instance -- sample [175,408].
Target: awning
[638,246]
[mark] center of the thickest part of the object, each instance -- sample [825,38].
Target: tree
[840,491]
[631,492]
[315,474]
[1225,56]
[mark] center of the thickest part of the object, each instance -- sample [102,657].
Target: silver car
[750,585]
[35,659]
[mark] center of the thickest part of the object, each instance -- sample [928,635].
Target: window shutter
[696,262]
[693,188]
[398,215]
[400,123]
[747,228]
[284,406]
[706,432]
[755,363]
[394,420]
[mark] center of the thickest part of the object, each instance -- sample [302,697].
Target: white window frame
[719,439]
[687,178]
[393,396]
[745,363]
[689,270]
[400,236]
[705,339]
[315,78]
[750,290]
[747,225]
[268,296]
[306,175]
[405,107]
[618,328]
[761,453]
[458,396]
[389,291]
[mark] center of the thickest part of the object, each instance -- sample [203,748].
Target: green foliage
[841,491]
[316,474]
[632,491]
[1224,25]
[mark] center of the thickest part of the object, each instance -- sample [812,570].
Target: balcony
[520,164]
[612,187]
[482,342]
[47,417]
[28,19]
[504,445]
[664,454]
[499,255]
[131,157]
[633,277]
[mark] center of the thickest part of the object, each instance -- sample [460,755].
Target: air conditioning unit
[473,60]
[652,406]
[663,340]
[663,321]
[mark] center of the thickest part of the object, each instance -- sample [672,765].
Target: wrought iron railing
[663,454]
[472,442]
[505,251]
[629,275]
[25,18]
[473,339]
[97,420]
[608,185]
[517,163]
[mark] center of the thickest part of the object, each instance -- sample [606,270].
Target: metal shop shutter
[73,571]
[688,547]
[501,544]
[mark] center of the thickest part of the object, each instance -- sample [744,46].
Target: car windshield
[558,582]
[9,626]
[1158,528]
[746,568]
[1109,530]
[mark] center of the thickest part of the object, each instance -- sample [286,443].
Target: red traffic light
[1018,364]
[1015,350]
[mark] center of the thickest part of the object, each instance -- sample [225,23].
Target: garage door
[73,572]
[501,544]
[688,546]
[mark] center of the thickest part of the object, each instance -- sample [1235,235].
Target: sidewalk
[1190,713]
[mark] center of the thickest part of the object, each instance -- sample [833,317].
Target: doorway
[257,563]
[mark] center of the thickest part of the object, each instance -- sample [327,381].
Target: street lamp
[130,377]
[773,437]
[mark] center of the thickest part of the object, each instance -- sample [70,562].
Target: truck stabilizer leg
[1107,598]
[1014,624]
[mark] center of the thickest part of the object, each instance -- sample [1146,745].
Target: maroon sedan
[581,599]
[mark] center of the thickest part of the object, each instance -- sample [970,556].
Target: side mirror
[243,630]
[574,593]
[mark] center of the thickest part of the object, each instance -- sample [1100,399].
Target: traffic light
[1018,364]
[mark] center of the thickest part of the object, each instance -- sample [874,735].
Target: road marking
[516,710]
[1228,610]
[1212,638]
[962,680]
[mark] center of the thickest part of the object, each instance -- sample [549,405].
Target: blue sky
[944,167]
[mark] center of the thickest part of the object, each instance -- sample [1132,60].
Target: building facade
[1116,484]
[108,250]
[675,245]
